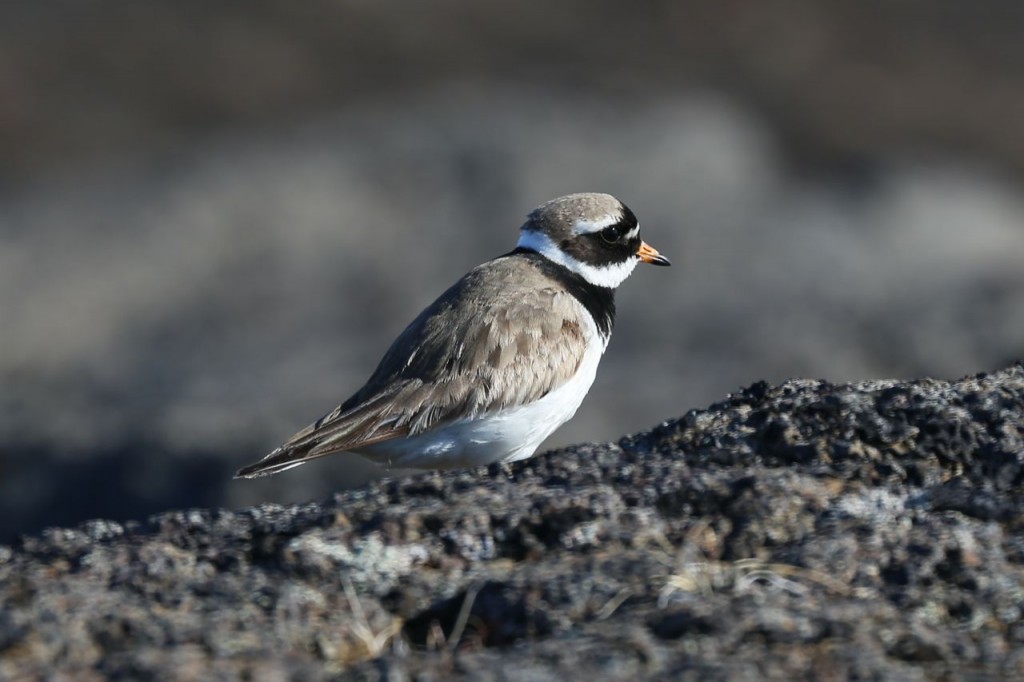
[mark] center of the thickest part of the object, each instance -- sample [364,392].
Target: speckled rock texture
[807,530]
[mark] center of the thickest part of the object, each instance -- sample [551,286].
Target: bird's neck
[599,301]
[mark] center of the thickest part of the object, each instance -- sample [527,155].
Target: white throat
[609,276]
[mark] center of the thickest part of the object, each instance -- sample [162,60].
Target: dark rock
[867,530]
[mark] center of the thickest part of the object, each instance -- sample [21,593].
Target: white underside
[505,436]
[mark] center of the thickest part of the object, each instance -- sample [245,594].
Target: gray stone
[869,530]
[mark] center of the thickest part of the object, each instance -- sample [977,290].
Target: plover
[503,358]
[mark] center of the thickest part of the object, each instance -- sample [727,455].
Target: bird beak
[649,254]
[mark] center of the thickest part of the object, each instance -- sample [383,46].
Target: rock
[869,530]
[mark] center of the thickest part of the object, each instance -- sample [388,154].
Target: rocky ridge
[869,530]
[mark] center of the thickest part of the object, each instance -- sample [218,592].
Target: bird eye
[611,234]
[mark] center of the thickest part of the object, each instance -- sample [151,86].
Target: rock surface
[869,530]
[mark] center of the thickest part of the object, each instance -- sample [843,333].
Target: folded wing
[459,359]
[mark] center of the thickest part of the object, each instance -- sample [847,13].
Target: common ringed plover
[498,362]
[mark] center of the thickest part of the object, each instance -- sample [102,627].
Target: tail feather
[335,432]
[277,461]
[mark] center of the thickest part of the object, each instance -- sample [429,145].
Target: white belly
[505,436]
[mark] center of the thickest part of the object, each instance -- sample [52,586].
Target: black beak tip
[660,260]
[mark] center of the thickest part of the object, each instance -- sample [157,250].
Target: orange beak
[649,254]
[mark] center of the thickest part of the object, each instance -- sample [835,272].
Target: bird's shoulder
[506,333]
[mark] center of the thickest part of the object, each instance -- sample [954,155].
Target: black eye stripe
[612,233]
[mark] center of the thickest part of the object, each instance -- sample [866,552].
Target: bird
[500,360]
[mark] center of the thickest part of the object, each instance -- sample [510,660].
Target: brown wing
[510,347]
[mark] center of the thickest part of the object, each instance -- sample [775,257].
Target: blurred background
[214,217]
